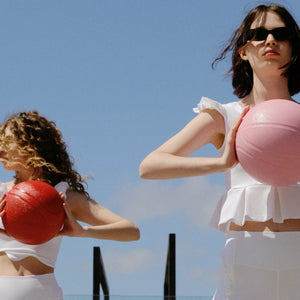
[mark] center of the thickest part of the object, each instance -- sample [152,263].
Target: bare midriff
[27,266]
[287,225]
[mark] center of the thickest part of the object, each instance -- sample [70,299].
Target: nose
[270,40]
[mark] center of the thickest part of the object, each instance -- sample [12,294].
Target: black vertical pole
[96,274]
[102,278]
[170,273]
[99,276]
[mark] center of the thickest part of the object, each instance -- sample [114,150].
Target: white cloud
[196,273]
[200,274]
[193,198]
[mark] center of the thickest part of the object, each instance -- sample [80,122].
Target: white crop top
[46,253]
[246,199]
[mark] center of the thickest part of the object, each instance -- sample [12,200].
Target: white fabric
[32,287]
[260,265]
[47,252]
[246,199]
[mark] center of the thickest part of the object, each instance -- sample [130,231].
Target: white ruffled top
[47,252]
[246,199]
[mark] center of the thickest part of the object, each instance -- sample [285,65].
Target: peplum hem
[257,202]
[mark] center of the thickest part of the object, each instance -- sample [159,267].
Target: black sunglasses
[260,34]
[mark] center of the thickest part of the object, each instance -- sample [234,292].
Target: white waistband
[48,276]
[266,234]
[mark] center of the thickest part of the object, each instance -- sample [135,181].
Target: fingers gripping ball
[34,212]
[268,142]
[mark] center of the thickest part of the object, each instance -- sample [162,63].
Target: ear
[243,53]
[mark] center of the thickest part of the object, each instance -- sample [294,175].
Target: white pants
[260,266]
[32,287]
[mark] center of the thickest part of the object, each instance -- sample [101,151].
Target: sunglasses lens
[282,34]
[257,34]
[260,34]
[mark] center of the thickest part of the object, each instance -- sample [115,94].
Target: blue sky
[120,77]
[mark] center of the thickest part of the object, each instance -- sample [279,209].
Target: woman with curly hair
[32,146]
[261,222]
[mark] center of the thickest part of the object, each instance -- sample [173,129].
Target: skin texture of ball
[268,142]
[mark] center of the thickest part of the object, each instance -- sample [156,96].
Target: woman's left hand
[71,226]
[2,212]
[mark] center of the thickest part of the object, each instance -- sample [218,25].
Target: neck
[20,177]
[266,89]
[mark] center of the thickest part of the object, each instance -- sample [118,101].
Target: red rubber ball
[34,212]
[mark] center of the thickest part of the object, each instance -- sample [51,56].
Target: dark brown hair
[241,71]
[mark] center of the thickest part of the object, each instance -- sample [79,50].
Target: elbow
[145,169]
[137,234]
[134,234]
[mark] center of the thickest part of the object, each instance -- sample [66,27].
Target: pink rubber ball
[268,142]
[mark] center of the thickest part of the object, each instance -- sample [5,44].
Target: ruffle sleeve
[62,187]
[207,103]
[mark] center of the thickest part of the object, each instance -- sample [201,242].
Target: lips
[271,52]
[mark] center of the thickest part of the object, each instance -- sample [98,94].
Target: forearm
[168,166]
[123,230]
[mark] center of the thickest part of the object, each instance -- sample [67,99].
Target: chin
[6,168]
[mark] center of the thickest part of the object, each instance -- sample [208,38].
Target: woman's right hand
[229,156]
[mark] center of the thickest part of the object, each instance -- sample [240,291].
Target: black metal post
[96,274]
[99,276]
[170,273]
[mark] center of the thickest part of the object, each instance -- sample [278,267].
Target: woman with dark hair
[261,222]
[242,74]
[32,146]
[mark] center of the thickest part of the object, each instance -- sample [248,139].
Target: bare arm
[104,223]
[171,159]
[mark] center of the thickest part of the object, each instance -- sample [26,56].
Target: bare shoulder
[207,123]
[88,210]
[76,199]
[215,124]
[212,117]
[208,127]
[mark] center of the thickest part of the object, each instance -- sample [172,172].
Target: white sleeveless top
[46,253]
[246,199]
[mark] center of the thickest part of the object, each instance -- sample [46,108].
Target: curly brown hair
[241,71]
[41,141]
